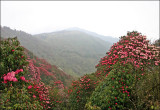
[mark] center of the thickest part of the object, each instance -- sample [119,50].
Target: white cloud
[113,18]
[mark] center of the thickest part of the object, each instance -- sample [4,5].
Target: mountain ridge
[74,52]
[103,37]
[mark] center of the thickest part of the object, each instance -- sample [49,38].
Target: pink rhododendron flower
[47,102]
[5,78]
[10,77]
[5,81]
[12,74]
[22,78]
[156,63]
[17,71]
[9,74]
[14,80]
[30,86]
[34,96]
[21,70]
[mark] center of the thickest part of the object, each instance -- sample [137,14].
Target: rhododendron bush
[122,73]
[81,91]
[132,48]
[21,84]
[14,93]
[11,59]
[114,92]
[126,64]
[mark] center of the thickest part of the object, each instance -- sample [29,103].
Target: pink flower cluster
[59,84]
[11,76]
[133,48]
[83,86]
[30,86]
[43,93]
[36,71]
[22,78]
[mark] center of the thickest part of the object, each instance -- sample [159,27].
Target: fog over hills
[74,50]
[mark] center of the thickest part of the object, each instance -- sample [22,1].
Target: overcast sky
[109,18]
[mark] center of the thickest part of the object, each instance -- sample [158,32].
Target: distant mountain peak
[75,28]
[103,37]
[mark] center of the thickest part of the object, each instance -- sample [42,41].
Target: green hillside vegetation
[27,40]
[75,47]
[75,52]
[48,73]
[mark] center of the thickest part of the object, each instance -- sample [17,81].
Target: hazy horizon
[108,18]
